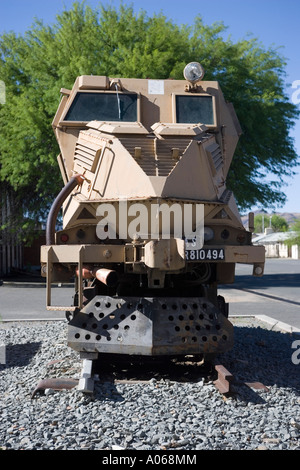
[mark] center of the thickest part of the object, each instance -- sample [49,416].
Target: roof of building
[274,237]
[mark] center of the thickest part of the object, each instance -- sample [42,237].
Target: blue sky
[272,22]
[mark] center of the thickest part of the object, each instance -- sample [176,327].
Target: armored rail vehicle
[149,228]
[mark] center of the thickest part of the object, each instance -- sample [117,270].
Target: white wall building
[275,246]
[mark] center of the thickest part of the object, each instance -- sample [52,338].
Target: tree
[261,221]
[276,222]
[107,41]
[294,239]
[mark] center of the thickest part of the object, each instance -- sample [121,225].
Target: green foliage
[279,224]
[262,221]
[294,239]
[296,226]
[119,42]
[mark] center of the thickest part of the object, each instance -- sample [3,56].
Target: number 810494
[204,254]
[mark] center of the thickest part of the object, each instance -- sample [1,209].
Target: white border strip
[23,320]
[271,321]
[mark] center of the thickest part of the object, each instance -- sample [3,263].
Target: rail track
[143,370]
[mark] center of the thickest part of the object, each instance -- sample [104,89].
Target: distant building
[275,245]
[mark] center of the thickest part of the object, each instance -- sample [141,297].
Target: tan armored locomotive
[149,227]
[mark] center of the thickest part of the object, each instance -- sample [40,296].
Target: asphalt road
[27,301]
[276,294]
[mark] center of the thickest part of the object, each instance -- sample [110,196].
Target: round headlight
[193,72]
[208,234]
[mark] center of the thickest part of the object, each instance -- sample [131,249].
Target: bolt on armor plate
[150,326]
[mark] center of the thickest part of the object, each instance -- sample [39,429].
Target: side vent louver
[87,154]
[215,157]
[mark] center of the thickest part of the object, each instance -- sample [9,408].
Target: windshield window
[103,107]
[194,109]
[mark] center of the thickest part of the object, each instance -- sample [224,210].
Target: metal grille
[157,157]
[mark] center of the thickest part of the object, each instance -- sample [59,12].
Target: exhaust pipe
[106,276]
[76,180]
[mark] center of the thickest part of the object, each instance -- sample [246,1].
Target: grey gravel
[158,414]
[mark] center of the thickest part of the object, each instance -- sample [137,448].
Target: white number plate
[205,254]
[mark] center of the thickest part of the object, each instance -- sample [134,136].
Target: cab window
[103,107]
[195,109]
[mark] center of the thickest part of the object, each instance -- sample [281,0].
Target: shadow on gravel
[264,356]
[259,355]
[20,355]
[107,391]
[145,369]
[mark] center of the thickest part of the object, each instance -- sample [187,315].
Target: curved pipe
[107,276]
[56,206]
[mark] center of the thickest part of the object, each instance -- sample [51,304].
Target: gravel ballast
[156,414]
